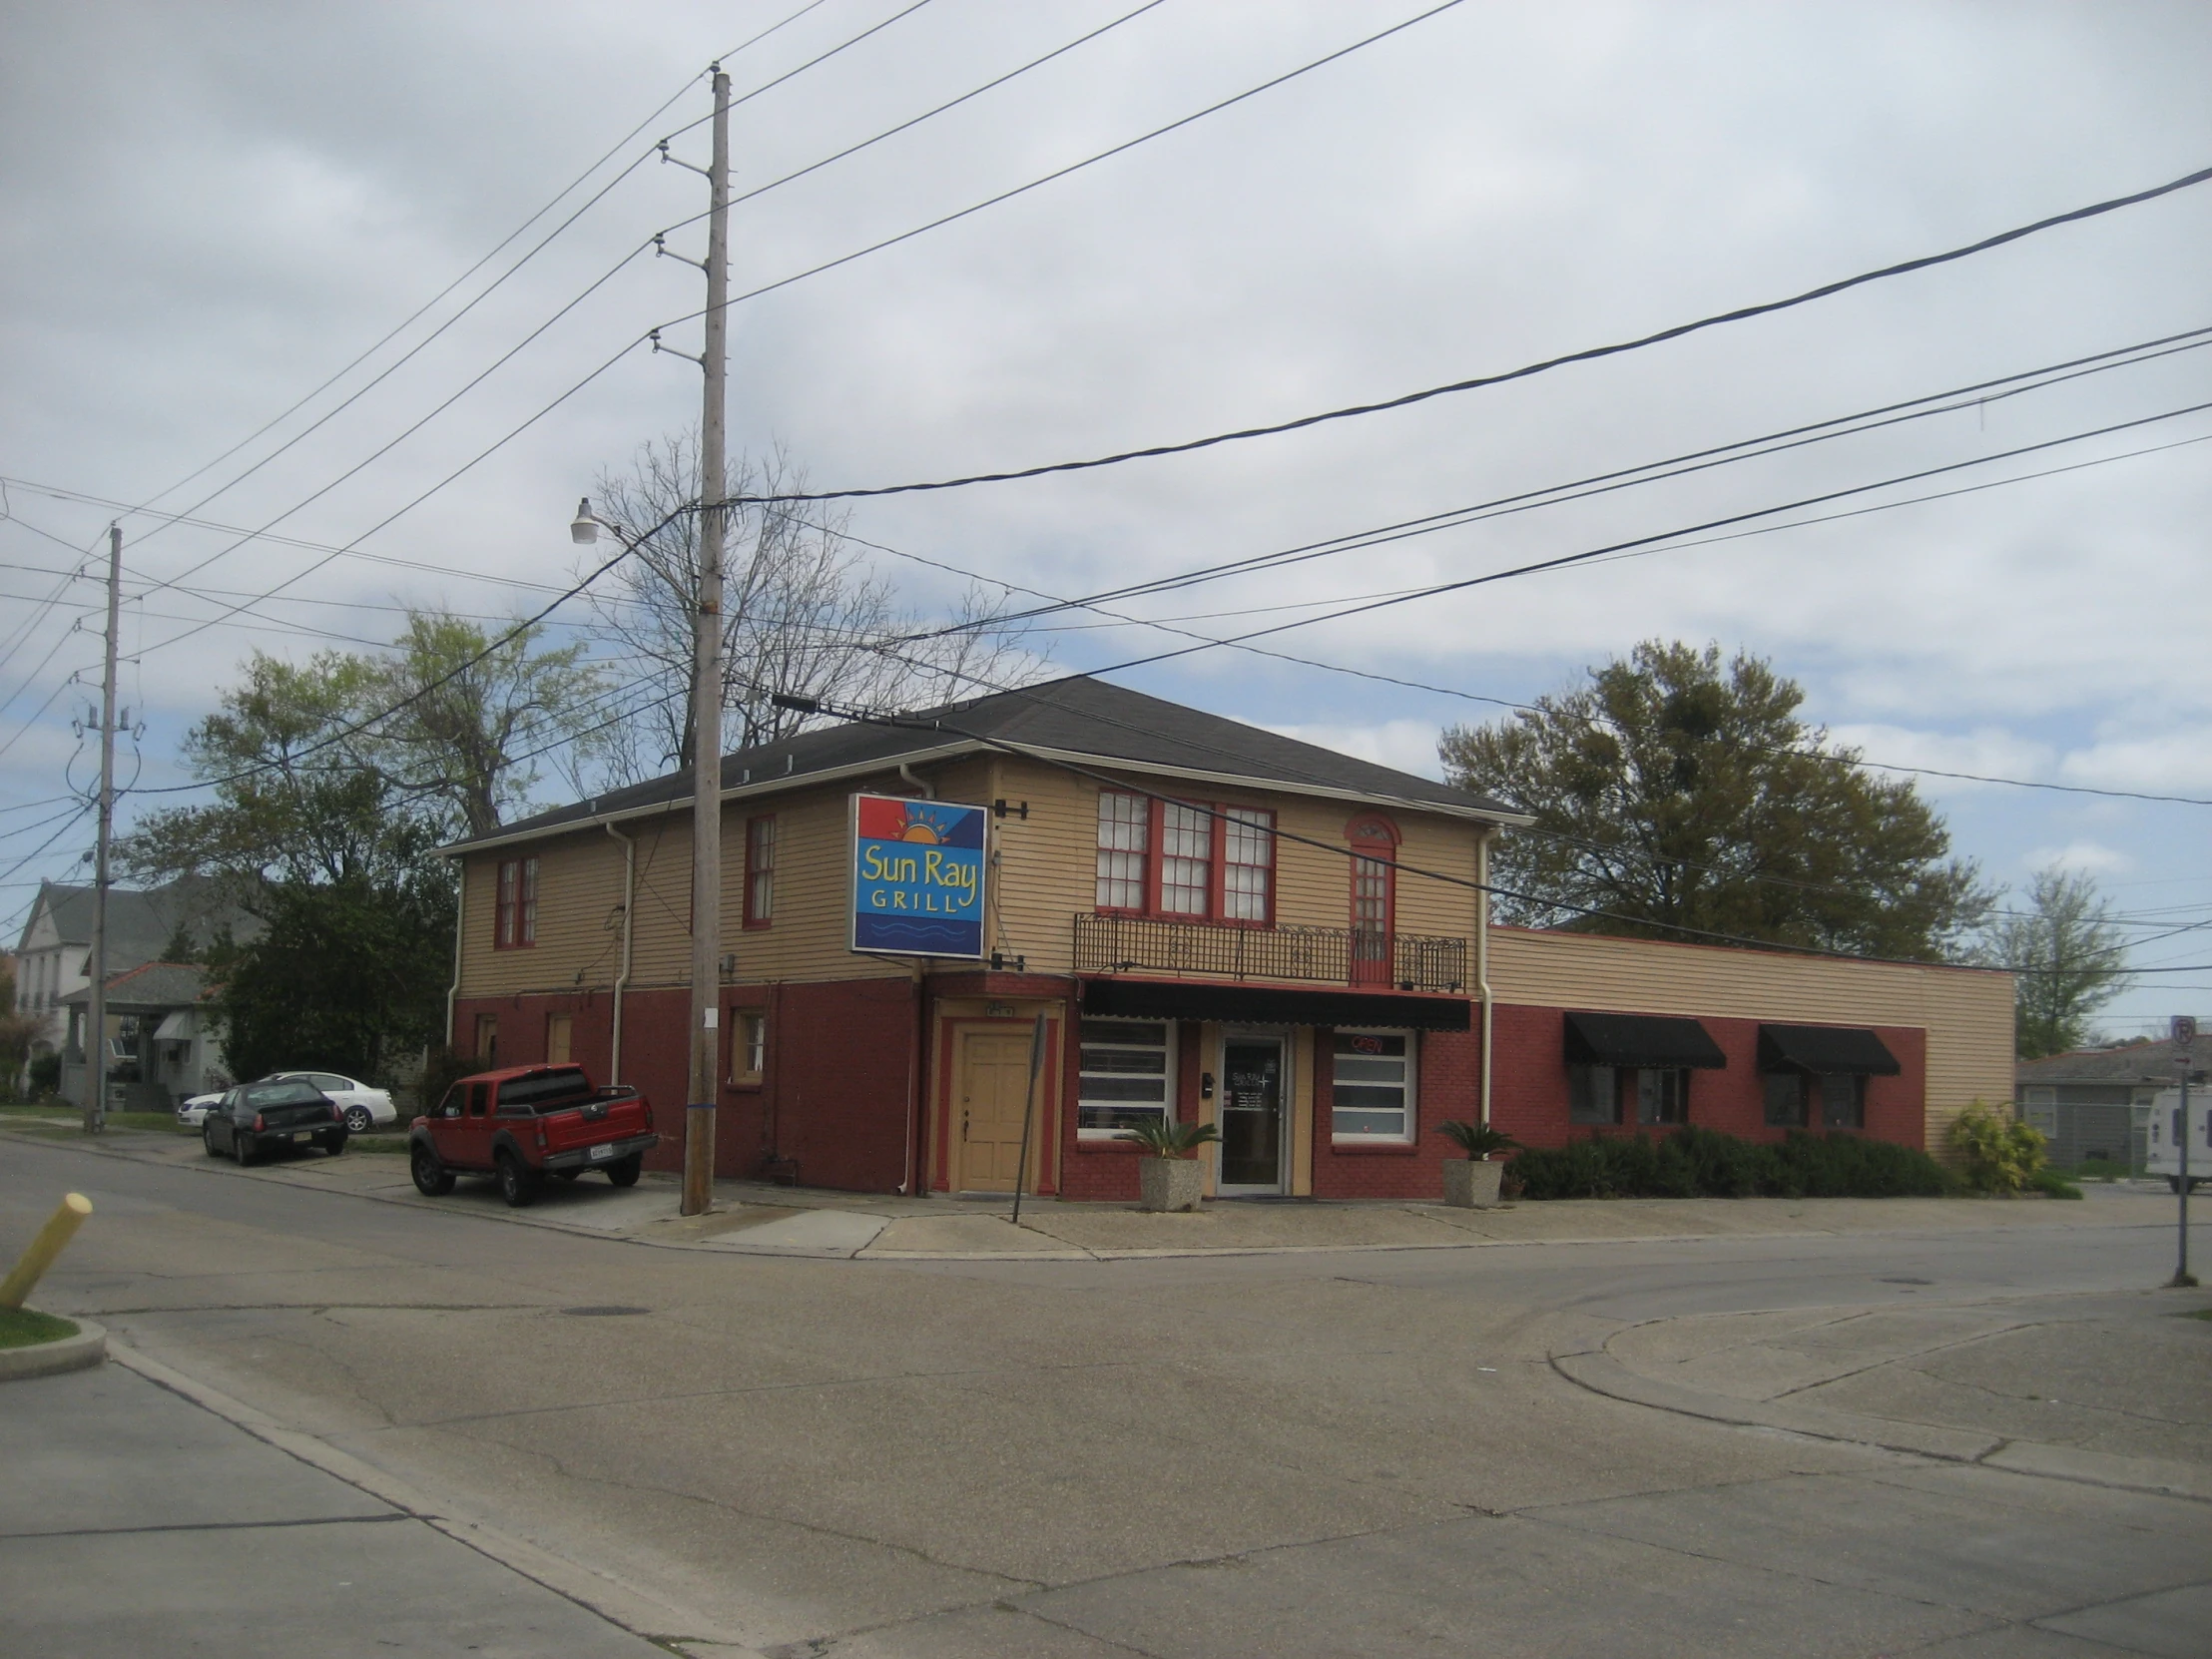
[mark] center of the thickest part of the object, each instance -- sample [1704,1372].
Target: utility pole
[95,1027]
[2184,1036]
[706,962]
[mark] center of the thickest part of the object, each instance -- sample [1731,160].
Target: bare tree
[804,613]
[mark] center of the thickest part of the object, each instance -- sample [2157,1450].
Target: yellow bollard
[60,1228]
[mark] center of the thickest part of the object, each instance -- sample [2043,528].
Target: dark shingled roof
[142,920]
[150,986]
[2151,1062]
[1105,723]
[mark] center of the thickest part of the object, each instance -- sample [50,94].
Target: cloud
[1407,745]
[2085,857]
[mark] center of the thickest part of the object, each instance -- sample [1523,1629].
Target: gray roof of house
[142,920]
[149,985]
[1105,724]
[2151,1062]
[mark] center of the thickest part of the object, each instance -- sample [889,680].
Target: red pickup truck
[525,1123]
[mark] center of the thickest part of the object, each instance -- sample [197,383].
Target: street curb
[1061,1253]
[1601,1374]
[82,1351]
[616,1600]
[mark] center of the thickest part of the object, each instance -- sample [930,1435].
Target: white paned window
[1124,837]
[1186,861]
[1371,1085]
[1248,862]
[1128,1076]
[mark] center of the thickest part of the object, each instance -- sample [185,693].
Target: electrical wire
[1408,399]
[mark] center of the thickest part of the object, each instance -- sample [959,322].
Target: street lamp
[584,532]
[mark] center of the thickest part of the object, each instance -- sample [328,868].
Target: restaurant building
[1213,922]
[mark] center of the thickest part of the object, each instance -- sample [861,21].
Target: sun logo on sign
[923,824]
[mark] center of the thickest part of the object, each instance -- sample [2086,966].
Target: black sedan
[259,1117]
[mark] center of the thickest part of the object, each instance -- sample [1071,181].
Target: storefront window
[1662,1097]
[1842,1102]
[1594,1094]
[1785,1100]
[1128,1071]
[1371,1085]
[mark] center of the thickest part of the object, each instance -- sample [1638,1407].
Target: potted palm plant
[1169,1176]
[1470,1183]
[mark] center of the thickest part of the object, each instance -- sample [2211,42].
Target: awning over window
[176,1026]
[1824,1048]
[1646,1041]
[1266,1005]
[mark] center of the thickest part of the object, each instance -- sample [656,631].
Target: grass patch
[21,1328]
[2204,1313]
[2099,1169]
[377,1143]
[1704,1163]
[2051,1184]
[155,1122]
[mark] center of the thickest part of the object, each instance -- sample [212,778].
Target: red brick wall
[1529,1083]
[835,1094]
[1449,1085]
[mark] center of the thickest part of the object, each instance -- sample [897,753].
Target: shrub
[2001,1154]
[1162,1139]
[1476,1140]
[1704,1163]
[2051,1184]
[45,1074]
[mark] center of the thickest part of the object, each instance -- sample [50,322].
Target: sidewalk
[134,1521]
[752,1218]
[2110,1390]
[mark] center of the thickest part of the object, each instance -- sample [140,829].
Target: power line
[1478,382]
[1754,449]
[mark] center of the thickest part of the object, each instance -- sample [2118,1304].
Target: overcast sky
[210,210]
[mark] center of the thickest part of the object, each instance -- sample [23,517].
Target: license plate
[605,1149]
[304,1135]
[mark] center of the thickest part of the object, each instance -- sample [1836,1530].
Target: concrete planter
[1471,1183]
[87,1348]
[1169,1183]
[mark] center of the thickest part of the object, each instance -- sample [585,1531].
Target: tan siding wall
[1966,1014]
[580,897]
[1048,863]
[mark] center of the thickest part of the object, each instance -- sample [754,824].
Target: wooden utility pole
[706,962]
[95,1011]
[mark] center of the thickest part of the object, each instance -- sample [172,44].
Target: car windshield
[279,1094]
[545,1091]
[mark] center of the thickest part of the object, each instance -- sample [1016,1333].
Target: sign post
[2185,1036]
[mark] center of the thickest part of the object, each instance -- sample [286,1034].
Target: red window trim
[752,919]
[1216,864]
[514,912]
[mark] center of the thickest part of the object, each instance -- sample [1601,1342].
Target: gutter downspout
[622,980]
[925,791]
[460,926]
[1483,955]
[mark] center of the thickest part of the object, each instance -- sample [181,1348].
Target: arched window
[1373,840]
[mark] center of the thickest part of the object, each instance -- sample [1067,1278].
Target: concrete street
[1676,1445]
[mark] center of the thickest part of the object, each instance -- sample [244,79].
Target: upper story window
[1162,857]
[760,871]
[1373,864]
[1124,840]
[515,921]
[1186,860]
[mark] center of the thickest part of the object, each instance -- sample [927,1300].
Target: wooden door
[993,1089]
[557,1029]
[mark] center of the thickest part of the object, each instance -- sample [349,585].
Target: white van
[2165,1137]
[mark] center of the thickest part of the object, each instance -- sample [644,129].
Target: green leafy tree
[1677,792]
[2070,959]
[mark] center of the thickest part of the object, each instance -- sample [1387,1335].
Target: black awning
[1824,1048]
[1644,1040]
[1267,1005]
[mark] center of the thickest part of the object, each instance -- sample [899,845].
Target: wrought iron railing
[1107,943]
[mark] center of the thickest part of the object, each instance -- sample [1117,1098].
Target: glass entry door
[1252,1115]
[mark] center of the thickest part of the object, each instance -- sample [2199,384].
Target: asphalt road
[1332,1454]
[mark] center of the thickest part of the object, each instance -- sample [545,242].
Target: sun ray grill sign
[917,877]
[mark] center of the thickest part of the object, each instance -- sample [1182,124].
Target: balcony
[1319,955]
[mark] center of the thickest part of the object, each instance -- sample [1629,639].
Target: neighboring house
[53,954]
[163,1043]
[2095,1102]
[1282,963]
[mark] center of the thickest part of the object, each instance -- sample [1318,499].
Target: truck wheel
[518,1184]
[431,1178]
[624,1172]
